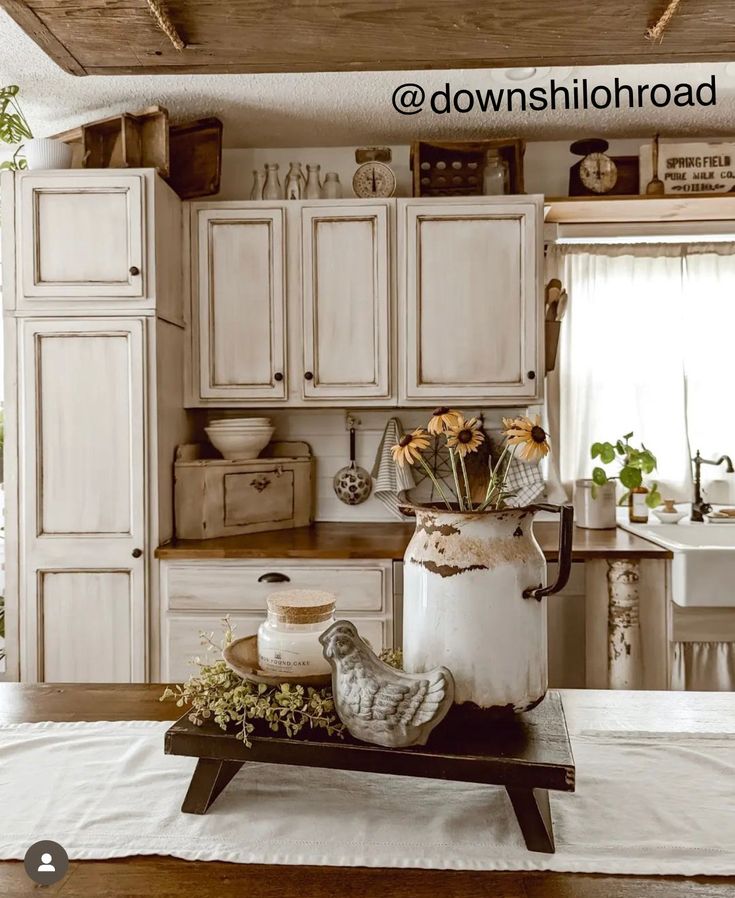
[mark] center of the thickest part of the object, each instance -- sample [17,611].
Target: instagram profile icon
[46,862]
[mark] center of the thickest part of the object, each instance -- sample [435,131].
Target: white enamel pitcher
[473,602]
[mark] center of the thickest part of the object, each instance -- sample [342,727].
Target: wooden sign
[691,168]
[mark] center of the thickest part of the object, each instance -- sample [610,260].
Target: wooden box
[196,158]
[128,141]
[217,497]
[455,169]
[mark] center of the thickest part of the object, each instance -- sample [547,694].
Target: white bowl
[240,422]
[239,426]
[240,445]
[669,517]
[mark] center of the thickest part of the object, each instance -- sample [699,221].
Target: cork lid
[301,606]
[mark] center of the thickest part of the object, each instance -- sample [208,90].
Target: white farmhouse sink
[703,568]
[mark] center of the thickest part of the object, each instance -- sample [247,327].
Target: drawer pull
[274,578]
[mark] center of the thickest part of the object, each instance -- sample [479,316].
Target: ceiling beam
[230,36]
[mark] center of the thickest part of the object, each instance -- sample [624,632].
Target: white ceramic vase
[594,506]
[45,153]
[473,602]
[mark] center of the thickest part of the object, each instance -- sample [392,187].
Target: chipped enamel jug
[473,601]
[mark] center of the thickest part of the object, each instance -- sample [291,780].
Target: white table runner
[645,803]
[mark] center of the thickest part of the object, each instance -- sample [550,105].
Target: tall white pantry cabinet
[93,299]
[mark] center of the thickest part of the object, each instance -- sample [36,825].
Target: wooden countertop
[389,541]
[168,877]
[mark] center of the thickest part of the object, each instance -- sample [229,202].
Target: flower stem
[466,482]
[494,486]
[433,479]
[458,489]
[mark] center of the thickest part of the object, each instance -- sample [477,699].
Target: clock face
[598,173]
[374,179]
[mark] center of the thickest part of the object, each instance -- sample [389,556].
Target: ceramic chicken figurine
[378,703]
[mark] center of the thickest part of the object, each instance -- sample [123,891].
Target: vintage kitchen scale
[528,754]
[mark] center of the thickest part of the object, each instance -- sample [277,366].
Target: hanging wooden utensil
[655,186]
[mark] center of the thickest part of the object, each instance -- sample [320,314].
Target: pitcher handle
[566,536]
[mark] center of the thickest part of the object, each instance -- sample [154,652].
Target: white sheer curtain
[647,346]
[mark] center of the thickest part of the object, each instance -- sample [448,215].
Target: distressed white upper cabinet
[470,310]
[83,535]
[81,237]
[239,285]
[346,301]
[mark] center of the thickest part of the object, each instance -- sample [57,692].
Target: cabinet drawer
[226,586]
[182,643]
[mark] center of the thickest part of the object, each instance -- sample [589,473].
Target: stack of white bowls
[239,438]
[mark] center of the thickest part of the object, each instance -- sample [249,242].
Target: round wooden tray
[241,655]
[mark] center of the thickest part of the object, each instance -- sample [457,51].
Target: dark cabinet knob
[278,376]
[136,553]
[308,376]
[532,375]
[134,270]
[274,578]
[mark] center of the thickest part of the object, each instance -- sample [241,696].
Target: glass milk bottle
[331,189]
[272,186]
[313,189]
[258,184]
[288,641]
[294,182]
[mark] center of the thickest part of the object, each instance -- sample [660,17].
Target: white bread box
[217,497]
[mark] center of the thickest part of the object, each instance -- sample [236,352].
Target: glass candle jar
[288,641]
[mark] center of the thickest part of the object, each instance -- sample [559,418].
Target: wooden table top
[165,877]
[388,541]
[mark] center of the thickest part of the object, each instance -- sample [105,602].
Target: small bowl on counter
[238,439]
[669,513]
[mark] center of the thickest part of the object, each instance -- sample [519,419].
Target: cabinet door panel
[471,300]
[242,338]
[81,237]
[86,626]
[82,489]
[346,293]
[82,386]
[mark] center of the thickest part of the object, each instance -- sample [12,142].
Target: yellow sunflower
[465,436]
[529,435]
[410,447]
[442,419]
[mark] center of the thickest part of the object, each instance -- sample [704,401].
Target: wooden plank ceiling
[108,37]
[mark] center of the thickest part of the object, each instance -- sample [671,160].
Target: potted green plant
[635,464]
[31,152]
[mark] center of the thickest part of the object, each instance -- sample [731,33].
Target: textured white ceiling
[346,108]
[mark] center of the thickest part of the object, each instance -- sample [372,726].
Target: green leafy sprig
[217,693]
[13,127]
[634,465]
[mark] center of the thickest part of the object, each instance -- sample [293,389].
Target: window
[648,347]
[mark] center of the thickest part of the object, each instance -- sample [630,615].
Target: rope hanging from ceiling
[164,22]
[656,32]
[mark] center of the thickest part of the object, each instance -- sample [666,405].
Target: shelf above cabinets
[390,302]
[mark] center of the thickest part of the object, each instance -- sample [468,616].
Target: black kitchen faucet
[699,507]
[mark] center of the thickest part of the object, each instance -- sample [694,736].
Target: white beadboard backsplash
[325,430]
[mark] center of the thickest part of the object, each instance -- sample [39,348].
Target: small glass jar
[288,641]
[637,508]
[495,175]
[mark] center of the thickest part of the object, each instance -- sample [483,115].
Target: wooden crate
[196,158]
[455,168]
[139,140]
[217,497]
